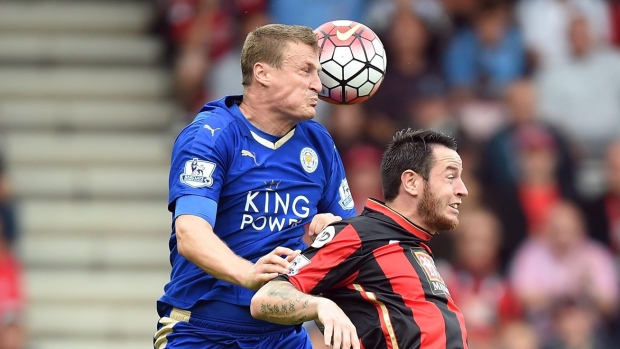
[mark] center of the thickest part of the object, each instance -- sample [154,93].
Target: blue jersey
[266,191]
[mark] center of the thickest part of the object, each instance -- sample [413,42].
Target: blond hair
[267,43]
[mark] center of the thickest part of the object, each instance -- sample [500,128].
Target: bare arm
[197,242]
[280,302]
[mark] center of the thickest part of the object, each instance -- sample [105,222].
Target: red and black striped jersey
[379,270]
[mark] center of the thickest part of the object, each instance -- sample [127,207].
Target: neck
[256,108]
[409,210]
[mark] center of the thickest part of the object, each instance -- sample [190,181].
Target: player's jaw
[438,214]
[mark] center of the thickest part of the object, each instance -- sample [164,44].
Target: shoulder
[532,249]
[463,38]
[210,123]
[314,128]
[514,35]
[342,229]
[596,248]
[318,135]
[216,114]
[608,55]
[361,224]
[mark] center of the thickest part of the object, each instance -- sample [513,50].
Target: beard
[430,210]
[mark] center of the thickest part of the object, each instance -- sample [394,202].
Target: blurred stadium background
[93,92]
[85,109]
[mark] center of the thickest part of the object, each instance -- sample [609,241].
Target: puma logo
[346,35]
[211,129]
[248,153]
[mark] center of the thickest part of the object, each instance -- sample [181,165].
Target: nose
[315,84]
[461,189]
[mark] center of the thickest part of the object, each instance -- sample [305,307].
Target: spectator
[191,23]
[614,9]
[8,220]
[206,32]
[441,16]
[484,58]
[405,43]
[582,95]
[430,107]
[603,212]
[347,124]
[224,76]
[575,326]
[361,164]
[315,13]
[498,165]
[537,188]
[475,282]
[564,263]
[518,335]
[545,22]
[526,167]
[12,302]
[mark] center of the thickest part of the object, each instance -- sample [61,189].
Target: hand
[338,330]
[319,222]
[269,266]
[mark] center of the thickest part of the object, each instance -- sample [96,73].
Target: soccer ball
[353,61]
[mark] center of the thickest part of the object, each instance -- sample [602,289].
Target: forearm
[197,242]
[280,302]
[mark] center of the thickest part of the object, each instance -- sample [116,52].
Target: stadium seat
[86,114]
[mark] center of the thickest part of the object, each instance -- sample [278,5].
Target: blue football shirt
[266,190]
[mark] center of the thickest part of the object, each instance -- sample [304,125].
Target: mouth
[455,206]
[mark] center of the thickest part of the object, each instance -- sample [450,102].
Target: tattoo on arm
[286,303]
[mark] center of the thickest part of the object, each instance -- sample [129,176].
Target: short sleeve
[332,261]
[337,198]
[200,158]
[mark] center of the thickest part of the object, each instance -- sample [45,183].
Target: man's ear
[411,182]
[261,73]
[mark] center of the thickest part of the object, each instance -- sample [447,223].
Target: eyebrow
[312,64]
[452,168]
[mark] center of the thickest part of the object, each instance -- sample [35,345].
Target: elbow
[255,305]
[184,245]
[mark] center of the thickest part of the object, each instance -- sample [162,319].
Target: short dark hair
[410,150]
[267,44]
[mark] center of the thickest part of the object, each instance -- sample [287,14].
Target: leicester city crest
[309,159]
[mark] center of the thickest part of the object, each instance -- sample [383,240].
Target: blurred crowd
[531,91]
[12,296]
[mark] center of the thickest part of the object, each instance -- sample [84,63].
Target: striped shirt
[379,270]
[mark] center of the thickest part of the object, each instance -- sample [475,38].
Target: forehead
[445,157]
[300,53]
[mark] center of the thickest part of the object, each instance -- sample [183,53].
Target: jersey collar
[406,224]
[272,145]
[258,135]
